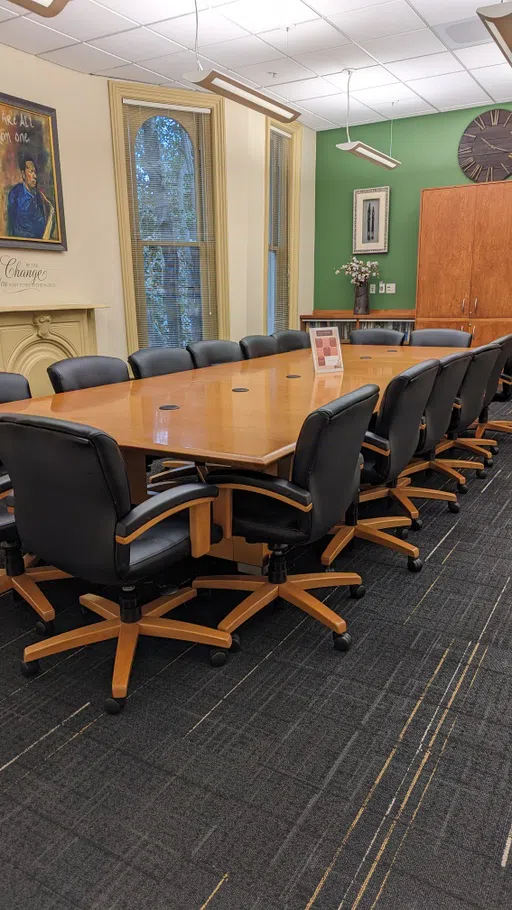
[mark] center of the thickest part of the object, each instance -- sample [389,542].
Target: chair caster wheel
[454,507]
[481,474]
[417,524]
[30,669]
[218,657]
[488,462]
[114,705]
[236,644]
[462,488]
[414,565]
[402,533]
[45,628]
[342,642]
[357,591]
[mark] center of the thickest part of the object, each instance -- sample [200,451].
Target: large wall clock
[485,150]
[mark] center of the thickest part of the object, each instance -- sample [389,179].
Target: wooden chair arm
[200,525]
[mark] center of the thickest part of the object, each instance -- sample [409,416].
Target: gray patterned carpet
[294,778]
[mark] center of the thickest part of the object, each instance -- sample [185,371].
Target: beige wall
[90,270]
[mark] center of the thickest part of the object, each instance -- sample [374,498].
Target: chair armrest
[376,443]
[5,486]
[191,496]
[265,485]
[506,379]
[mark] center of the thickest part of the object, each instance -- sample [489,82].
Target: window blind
[278,291]
[171,203]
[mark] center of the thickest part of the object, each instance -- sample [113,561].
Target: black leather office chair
[90,531]
[159,361]
[291,340]
[466,410]
[377,336]
[438,415]
[86,372]
[258,346]
[499,388]
[210,353]
[387,449]
[284,513]
[435,338]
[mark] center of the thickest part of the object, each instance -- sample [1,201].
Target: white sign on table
[326,348]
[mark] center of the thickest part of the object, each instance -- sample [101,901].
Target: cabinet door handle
[463,304]
[476,304]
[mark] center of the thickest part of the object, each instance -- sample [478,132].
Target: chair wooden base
[494,426]
[294,590]
[127,634]
[26,586]
[473,446]
[372,530]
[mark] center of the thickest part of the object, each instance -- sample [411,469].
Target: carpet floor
[295,777]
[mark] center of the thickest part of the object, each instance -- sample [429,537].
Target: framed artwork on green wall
[371,220]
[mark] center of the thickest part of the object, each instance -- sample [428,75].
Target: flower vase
[362,300]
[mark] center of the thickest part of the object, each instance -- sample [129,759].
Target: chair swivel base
[482,448]
[117,623]
[292,588]
[20,577]
[403,494]
[448,467]
[494,426]
[373,530]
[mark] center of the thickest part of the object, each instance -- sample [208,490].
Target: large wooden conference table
[248,413]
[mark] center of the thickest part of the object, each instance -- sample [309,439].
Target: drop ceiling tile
[137,44]
[463,33]
[437,11]
[394,101]
[305,37]
[316,123]
[378,21]
[212,28]
[263,15]
[335,7]
[446,92]
[403,47]
[132,73]
[84,58]
[85,20]
[422,67]
[497,80]
[12,8]
[31,37]
[335,59]
[480,55]
[145,11]
[306,88]
[275,72]
[6,14]
[241,52]
[174,66]
[334,108]
[368,77]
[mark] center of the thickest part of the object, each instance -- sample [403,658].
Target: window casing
[283,188]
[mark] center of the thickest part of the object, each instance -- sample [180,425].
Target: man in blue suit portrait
[29,212]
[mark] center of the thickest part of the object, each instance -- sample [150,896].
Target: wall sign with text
[18,275]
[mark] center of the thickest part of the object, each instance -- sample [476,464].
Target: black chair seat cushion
[164,544]
[260,519]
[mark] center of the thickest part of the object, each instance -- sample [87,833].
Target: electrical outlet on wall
[382,287]
[373,289]
[391,288]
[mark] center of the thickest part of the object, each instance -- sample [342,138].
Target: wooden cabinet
[465,261]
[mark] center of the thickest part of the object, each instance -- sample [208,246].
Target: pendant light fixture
[237,91]
[361,149]
[46,8]
[498,21]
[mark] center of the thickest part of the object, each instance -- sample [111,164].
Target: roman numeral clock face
[485,150]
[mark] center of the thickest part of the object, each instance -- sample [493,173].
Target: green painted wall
[428,148]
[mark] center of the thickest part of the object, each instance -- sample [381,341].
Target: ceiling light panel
[497,80]
[241,52]
[137,44]
[304,38]
[480,55]
[437,11]
[212,28]
[403,47]
[423,67]
[85,20]
[263,15]
[31,37]
[306,88]
[84,58]
[275,72]
[447,92]
[378,21]
[367,77]
[335,59]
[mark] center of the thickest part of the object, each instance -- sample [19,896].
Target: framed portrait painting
[31,207]
[371,220]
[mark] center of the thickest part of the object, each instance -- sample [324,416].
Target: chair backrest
[505,394]
[435,338]
[327,456]
[86,372]
[377,336]
[258,346]
[439,407]
[159,361]
[505,345]
[13,387]
[209,353]
[474,385]
[71,489]
[291,340]
[400,416]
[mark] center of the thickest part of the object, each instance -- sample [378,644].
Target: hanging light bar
[498,21]
[361,149]
[243,94]
[46,8]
